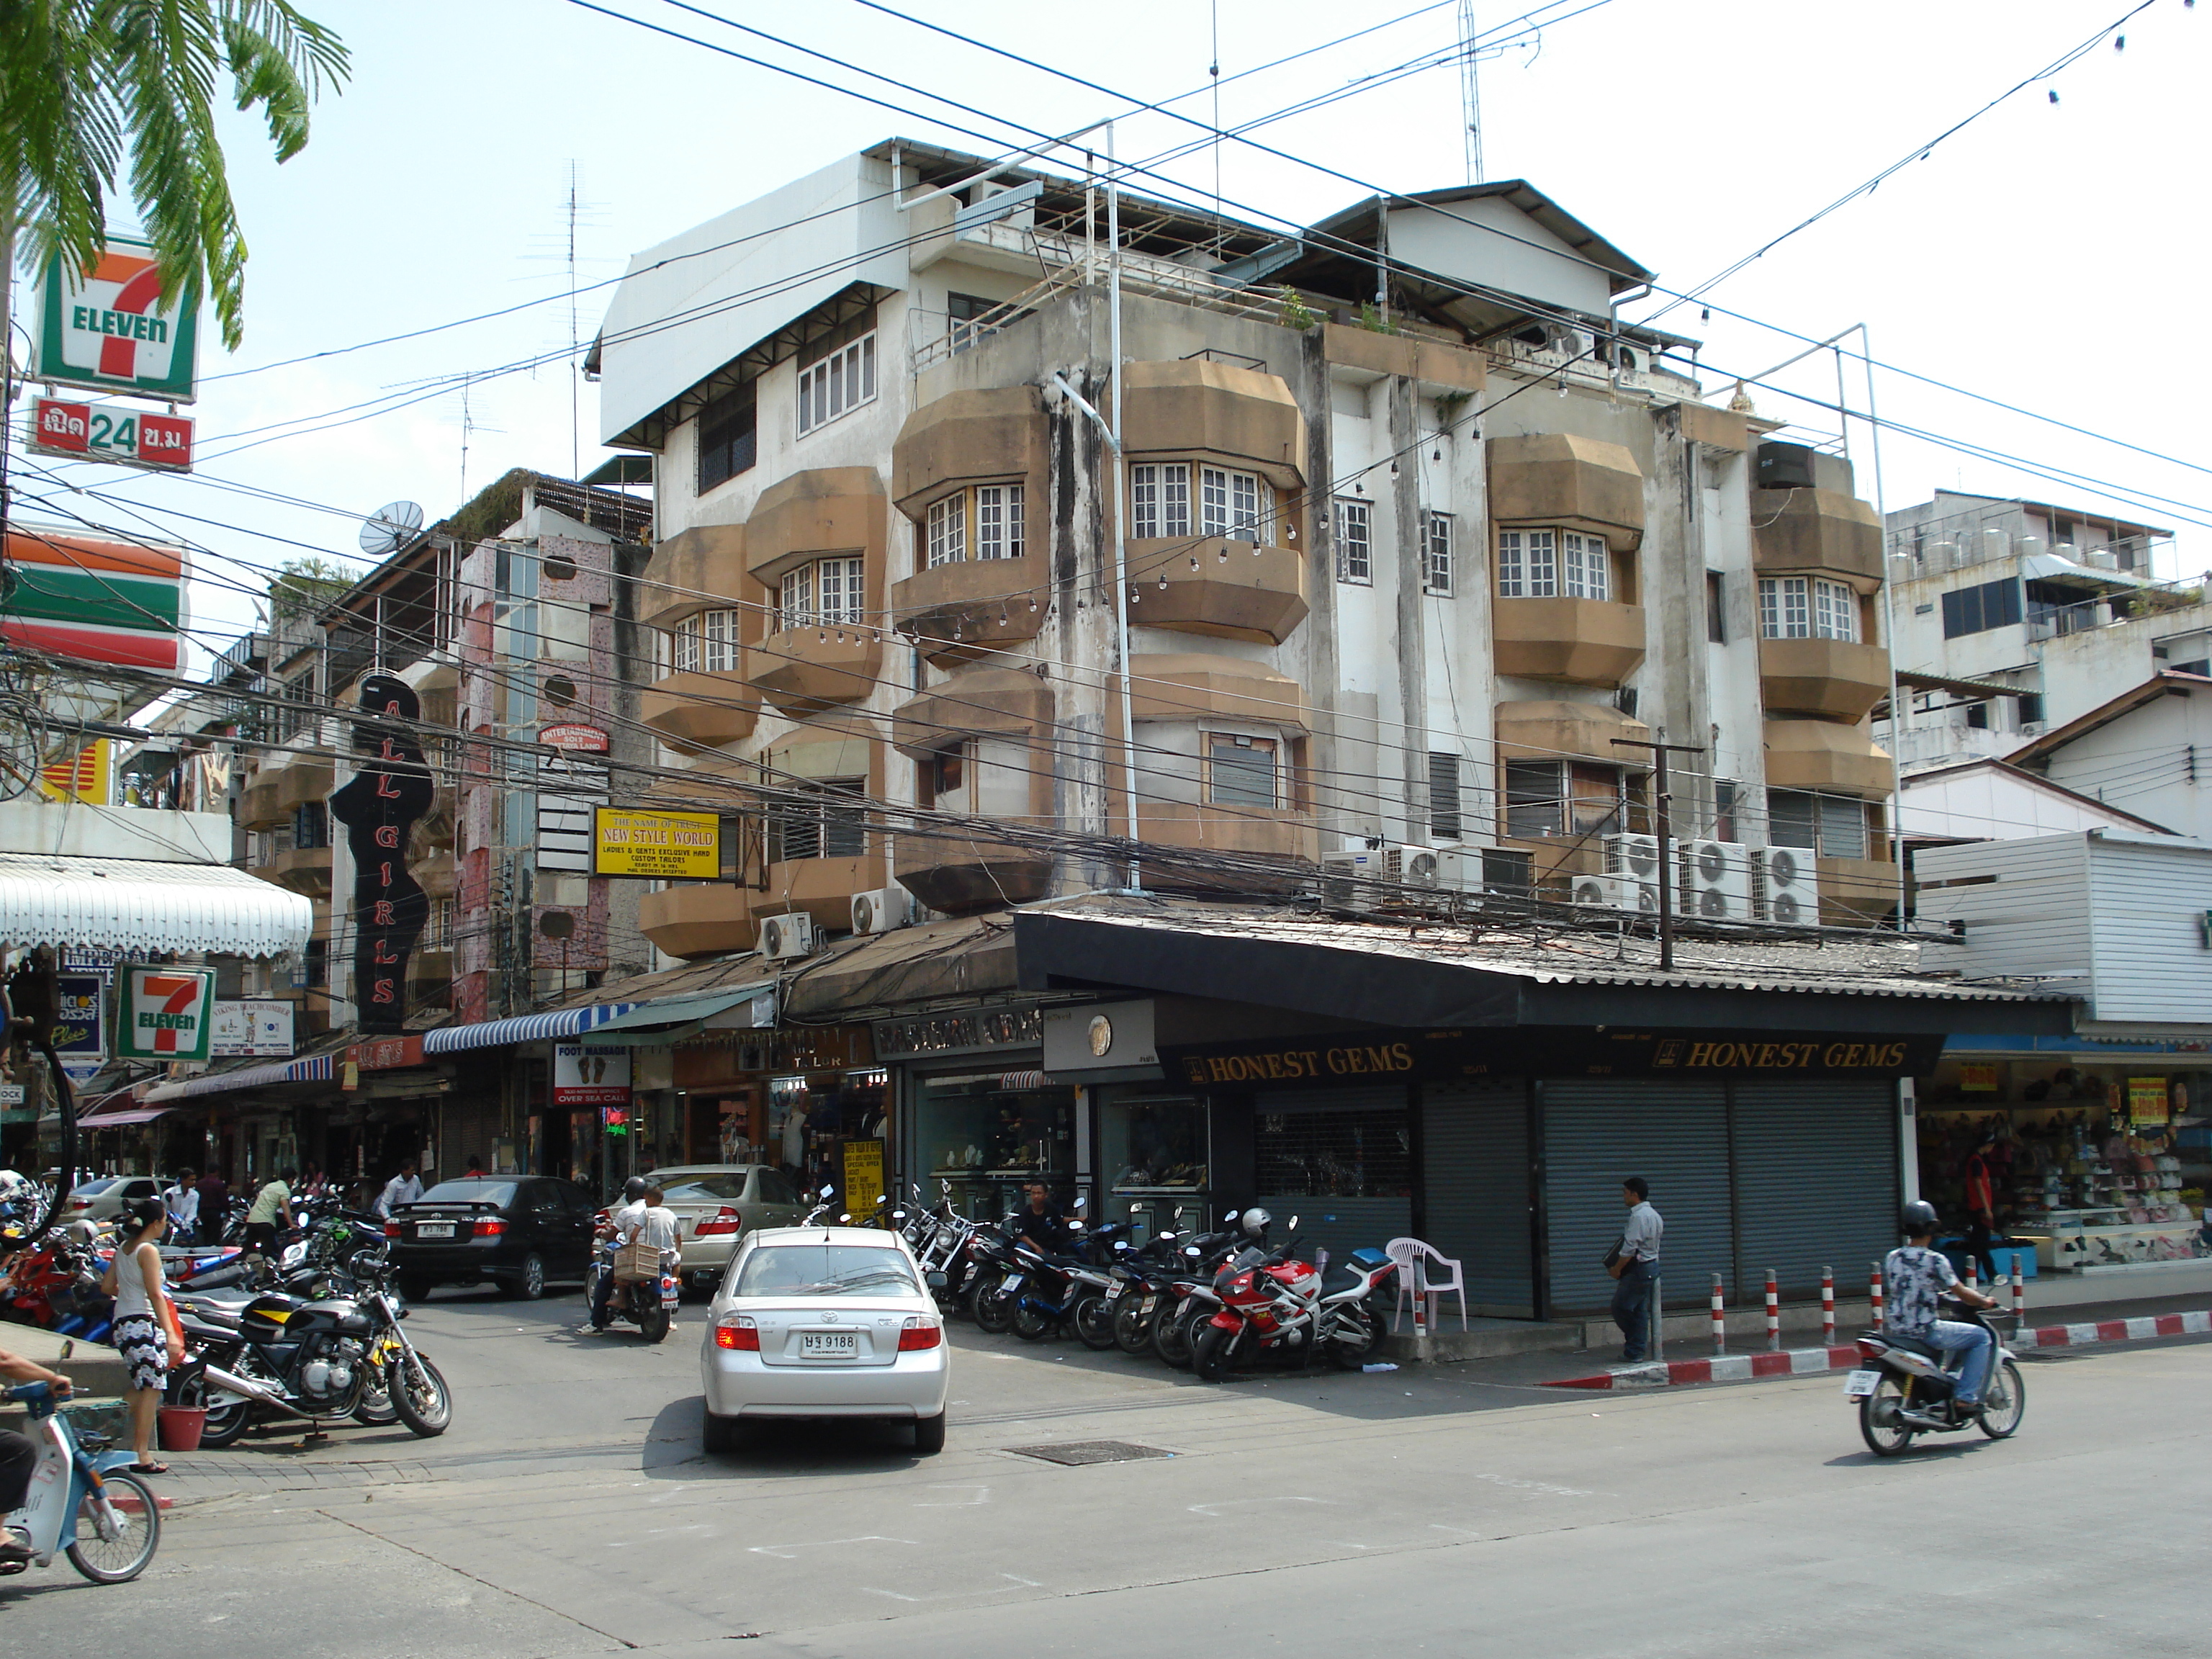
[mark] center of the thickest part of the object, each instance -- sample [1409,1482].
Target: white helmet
[1256,1221]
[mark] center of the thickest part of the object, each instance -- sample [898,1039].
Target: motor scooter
[1904,1388]
[84,1501]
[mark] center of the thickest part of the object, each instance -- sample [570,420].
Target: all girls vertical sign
[379,808]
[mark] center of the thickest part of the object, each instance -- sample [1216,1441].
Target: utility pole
[1660,822]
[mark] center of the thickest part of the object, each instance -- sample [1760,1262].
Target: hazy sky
[2029,258]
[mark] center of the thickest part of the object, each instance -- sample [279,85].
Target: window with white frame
[825,593]
[1230,504]
[1355,560]
[705,644]
[838,383]
[987,522]
[1159,500]
[1542,564]
[1240,770]
[1436,553]
[1807,607]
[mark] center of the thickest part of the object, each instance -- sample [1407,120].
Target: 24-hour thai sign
[105,326]
[167,1013]
[115,433]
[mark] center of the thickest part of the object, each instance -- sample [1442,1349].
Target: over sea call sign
[379,808]
[1352,1057]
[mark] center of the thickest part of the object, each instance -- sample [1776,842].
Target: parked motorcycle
[1907,1388]
[314,1361]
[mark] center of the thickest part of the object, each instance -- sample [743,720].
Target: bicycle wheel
[2004,1402]
[116,1551]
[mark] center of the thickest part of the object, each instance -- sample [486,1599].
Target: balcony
[1551,731]
[961,611]
[1826,758]
[697,711]
[698,919]
[1372,355]
[1195,407]
[1182,686]
[1558,478]
[957,873]
[823,510]
[303,870]
[1232,590]
[692,571]
[1832,679]
[1579,642]
[1280,836]
[430,977]
[1856,892]
[801,670]
[437,875]
[256,804]
[984,702]
[969,437]
[1808,530]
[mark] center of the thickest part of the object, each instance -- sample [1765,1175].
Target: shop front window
[1154,1152]
[987,1134]
[1334,1154]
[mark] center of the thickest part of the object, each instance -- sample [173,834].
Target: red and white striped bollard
[2019,1298]
[1774,1311]
[1873,1294]
[1827,1307]
[1720,1319]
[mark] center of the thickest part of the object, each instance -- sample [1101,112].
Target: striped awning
[1021,1080]
[313,1068]
[136,906]
[523,1027]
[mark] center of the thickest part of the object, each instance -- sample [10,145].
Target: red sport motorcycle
[1276,1308]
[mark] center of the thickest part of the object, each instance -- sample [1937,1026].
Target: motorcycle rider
[1914,1276]
[19,1454]
[619,1226]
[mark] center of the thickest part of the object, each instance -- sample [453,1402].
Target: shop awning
[523,1027]
[117,1120]
[313,1068]
[651,1024]
[142,905]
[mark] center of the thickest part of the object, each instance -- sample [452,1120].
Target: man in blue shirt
[1636,1267]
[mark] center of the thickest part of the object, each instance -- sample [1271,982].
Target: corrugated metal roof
[143,905]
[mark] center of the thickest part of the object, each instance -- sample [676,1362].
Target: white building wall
[2023,905]
[2154,761]
[2153,957]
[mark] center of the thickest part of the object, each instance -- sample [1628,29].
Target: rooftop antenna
[1213,70]
[575,370]
[1470,91]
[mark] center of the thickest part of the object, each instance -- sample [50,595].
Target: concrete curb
[1800,1362]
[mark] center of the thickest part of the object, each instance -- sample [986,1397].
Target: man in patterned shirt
[1914,1275]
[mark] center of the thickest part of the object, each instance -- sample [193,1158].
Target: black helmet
[632,1190]
[1919,1218]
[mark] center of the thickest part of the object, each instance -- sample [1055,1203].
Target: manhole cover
[1090,1451]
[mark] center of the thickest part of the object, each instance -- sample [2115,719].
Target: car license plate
[828,1344]
[1010,1283]
[1859,1384]
[433,1230]
[1114,1291]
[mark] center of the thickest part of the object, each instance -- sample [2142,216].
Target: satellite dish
[389,528]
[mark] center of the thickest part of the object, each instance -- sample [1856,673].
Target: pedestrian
[271,1212]
[311,1179]
[1040,1221]
[215,1205]
[1635,1263]
[403,1189]
[182,1200]
[476,1170]
[1981,1207]
[145,1332]
[19,1455]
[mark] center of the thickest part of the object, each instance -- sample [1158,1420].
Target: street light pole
[1662,822]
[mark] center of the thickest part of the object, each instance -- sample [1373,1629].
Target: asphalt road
[570,1512]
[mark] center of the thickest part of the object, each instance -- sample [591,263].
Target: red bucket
[181,1427]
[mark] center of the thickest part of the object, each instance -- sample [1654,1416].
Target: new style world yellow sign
[669,845]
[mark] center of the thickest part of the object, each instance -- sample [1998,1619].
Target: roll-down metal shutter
[1673,1134]
[1475,1157]
[1816,1182]
[1303,1168]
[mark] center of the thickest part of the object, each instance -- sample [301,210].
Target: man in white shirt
[182,1200]
[621,1225]
[401,1189]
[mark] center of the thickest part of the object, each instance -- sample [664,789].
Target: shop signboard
[590,1077]
[667,846]
[864,1176]
[1369,1056]
[2147,1102]
[94,599]
[166,1014]
[81,1035]
[390,790]
[1098,1036]
[105,327]
[257,1027]
[1978,1079]
[115,433]
[12,1107]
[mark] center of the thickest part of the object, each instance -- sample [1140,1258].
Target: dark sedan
[517,1231]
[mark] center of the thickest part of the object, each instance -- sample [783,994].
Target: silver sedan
[825,1321]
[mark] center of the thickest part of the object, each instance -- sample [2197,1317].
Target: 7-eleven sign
[168,1013]
[104,326]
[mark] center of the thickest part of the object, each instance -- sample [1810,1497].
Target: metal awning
[654,1024]
[139,906]
[116,1120]
[522,1028]
[314,1068]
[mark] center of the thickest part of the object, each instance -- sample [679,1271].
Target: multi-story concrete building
[1415,547]
[2016,618]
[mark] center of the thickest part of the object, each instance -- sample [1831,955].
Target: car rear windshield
[88,1188]
[702,1188]
[499,1192]
[824,1270]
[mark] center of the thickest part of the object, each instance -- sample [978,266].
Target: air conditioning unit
[1716,883]
[784,938]
[1364,875]
[1616,892]
[882,909]
[1785,888]
[1632,855]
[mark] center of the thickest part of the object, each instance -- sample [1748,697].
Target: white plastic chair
[1417,1263]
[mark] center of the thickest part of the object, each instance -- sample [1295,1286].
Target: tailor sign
[167,1013]
[668,845]
[105,328]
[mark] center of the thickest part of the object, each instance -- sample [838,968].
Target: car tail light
[724,1222]
[492,1227]
[80,1204]
[391,1229]
[738,1331]
[920,1331]
[600,1220]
